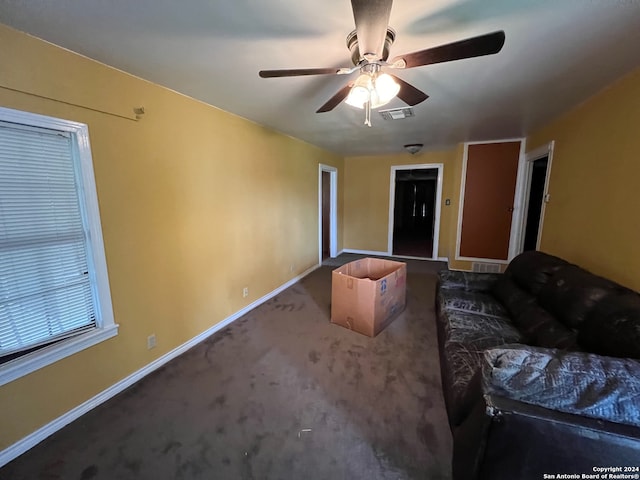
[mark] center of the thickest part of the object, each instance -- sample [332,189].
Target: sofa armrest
[505,439]
[469,281]
[579,383]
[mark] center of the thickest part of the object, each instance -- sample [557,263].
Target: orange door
[490,187]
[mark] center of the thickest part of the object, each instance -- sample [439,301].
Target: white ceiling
[557,53]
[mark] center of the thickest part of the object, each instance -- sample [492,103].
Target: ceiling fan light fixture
[376,89]
[360,92]
[386,89]
[413,148]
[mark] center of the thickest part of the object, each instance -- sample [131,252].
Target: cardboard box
[366,295]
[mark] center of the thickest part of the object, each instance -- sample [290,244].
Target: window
[54,290]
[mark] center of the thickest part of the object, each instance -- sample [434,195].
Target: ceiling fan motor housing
[352,44]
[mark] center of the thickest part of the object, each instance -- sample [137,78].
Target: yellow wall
[592,218]
[366,198]
[456,181]
[195,204]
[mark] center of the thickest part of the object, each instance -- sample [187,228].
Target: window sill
[41,358]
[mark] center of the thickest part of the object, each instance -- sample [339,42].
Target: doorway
[535,195]
[327,212]
[414,211]
[534,209]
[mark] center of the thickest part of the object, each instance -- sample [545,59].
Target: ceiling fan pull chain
[367,113]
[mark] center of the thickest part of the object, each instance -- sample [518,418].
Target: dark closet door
[490,186]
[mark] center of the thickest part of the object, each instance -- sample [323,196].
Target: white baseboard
[366,252]
[50,428]
[424,259]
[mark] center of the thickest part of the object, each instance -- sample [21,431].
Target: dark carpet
[279,394]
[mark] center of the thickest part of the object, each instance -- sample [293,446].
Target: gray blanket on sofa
[581,383]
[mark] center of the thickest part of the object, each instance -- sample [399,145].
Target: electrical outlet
[151,341]
[245,292]
[291,268]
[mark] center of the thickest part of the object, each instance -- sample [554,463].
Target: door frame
[516,215]
[542,151]
[438,205]
[333,210]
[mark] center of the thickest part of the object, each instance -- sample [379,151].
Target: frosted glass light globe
[386,89]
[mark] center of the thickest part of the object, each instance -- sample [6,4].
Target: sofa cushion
[470,302]
[481,331]
[542,330]
[469,281]
[572,292]
[466,336]
[580,383]
[512,296]
[613,327]
[532,270]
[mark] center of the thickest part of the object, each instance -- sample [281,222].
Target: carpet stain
[314,356]
[90,472]
[353,353]
[133,466]
[170,446]
[285,307]
[426,434]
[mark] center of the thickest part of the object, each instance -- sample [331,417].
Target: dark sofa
[540,370]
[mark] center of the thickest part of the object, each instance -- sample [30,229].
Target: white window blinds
[45,288]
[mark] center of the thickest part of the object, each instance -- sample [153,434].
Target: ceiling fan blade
[372,20]
[471,47]
[298,72]
[336,99]
[409,94]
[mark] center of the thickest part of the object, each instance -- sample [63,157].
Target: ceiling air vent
[396,113]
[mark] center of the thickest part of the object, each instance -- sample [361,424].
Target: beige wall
[195,203]
[366,198]
[592,218]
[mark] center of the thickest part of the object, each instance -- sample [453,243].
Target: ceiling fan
[369,44]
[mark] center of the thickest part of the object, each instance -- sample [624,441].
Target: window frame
[105,326]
